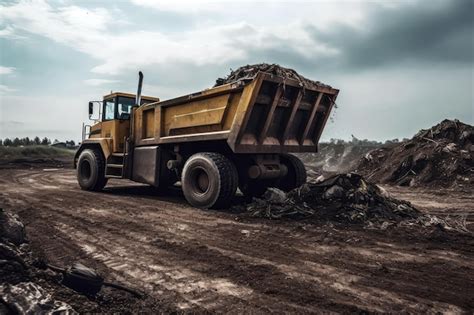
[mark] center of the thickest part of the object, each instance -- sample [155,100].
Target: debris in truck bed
[248,72]
[441,156]
[344,198]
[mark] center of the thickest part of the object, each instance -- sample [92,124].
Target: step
[115,165]
[113,176]
[116,158]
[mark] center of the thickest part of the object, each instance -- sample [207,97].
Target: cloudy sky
[400,65]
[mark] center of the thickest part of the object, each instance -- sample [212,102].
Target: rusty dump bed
[265,115]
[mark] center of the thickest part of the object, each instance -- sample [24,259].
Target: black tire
[91,170]
[209,180]
[296,175]
[253,188]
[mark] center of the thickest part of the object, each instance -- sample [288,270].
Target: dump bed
[267,114]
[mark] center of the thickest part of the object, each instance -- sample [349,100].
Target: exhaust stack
[139,91]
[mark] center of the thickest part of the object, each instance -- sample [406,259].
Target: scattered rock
[31,298]
[11,228]
[333,192]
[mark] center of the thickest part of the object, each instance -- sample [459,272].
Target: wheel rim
[200,181]
[86,170]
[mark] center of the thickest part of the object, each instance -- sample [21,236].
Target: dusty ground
[195,260]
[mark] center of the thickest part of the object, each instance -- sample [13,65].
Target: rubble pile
[440,156]
[19,292]
[248,72]
[342,198]
[347,199]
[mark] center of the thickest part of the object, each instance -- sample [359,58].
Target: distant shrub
[33,151]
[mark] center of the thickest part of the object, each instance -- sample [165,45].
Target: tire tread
[228,177]
[299,171]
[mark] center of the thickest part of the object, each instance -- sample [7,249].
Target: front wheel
[91,170]
[209,180]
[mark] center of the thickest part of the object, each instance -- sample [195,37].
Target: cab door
[116,122]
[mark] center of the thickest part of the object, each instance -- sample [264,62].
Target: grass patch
[34,151]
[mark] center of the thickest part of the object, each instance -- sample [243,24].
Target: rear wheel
[296,175]
[91,170]
[209,180]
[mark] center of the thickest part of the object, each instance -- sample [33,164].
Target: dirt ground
[193,260]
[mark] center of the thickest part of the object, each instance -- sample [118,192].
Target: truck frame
[237,135]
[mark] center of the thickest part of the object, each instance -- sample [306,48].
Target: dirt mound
[440,156]
[345,198]
[248,72]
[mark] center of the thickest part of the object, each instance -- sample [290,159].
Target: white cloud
[180,6]
[216,42]
[9,33]
[88,30]
[74,26]
[6,70]
[98,82]
[5,89]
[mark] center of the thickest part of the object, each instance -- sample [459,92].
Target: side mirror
[91,108]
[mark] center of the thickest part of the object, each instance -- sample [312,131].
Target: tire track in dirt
[206,260]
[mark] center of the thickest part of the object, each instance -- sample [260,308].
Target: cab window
[109,109]
[125,105]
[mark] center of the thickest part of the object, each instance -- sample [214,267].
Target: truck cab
[113,118]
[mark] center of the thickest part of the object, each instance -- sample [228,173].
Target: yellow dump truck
[237,135]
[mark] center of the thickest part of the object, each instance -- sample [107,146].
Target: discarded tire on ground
[296,175]
[209,180]
[91,170]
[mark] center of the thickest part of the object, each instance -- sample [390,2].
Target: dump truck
[236,135]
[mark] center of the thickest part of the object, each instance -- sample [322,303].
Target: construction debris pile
[20,292]
[344,198]
[440,156]
[248,72]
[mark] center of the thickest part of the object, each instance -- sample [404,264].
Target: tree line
[16,142]
[365,142]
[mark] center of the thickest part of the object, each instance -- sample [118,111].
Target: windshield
[121,109]
[124,107]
